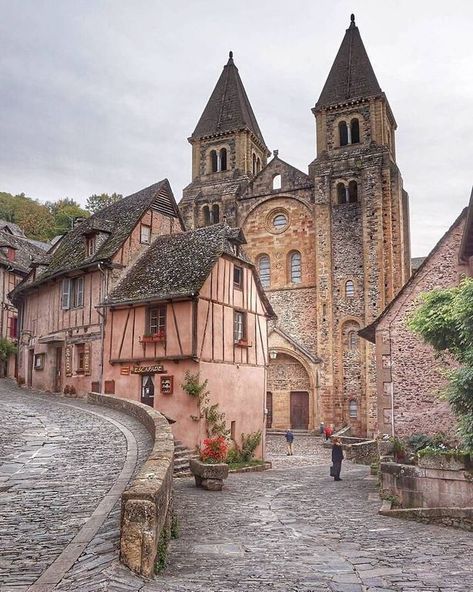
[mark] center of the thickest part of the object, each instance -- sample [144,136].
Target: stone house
[61,329]
[331,246]
[191,303]
[16,255]
[409,375]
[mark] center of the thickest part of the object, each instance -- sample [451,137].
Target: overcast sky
[100,96]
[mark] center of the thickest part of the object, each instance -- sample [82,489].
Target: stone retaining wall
[147,501]
[455,517]
[363,453]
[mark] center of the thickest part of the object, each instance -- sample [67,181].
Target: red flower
[214,449]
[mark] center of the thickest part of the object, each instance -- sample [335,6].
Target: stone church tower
[332,247]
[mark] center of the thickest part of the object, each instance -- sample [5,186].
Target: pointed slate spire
[351,75]
[228,108]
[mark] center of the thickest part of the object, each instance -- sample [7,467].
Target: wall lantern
[273,354]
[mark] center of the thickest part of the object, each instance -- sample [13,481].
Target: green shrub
[249,443]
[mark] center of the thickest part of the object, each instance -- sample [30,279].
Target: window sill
[242,343]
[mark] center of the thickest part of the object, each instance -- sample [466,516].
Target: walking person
[289,439]
[337,457]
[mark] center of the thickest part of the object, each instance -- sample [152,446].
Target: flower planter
[446,461]
[157,338]
[208,476]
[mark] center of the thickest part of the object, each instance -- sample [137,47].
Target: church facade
[331,245]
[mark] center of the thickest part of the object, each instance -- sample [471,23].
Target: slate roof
[466,248]
[11,228]
[177,265]
[352,75]
[25,252]
[228,108]
[416,262]
[117,221]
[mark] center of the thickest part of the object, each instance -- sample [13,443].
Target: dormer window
[90,245]
[145,234]
[11,254]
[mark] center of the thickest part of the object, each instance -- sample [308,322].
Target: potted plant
[210,470]
[399,449]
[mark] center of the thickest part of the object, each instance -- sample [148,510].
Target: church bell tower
[362,228]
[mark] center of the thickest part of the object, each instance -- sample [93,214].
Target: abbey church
[331,245]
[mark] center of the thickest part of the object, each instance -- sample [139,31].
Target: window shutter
[68,360]
[66,294]
[79,292]
[87,359]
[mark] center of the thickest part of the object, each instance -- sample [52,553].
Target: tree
[65,212]
[95,202]
[445,321]
[7,349]
[33,217]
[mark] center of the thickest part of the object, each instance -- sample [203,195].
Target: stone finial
[230,55]
[275,153]
[352,20]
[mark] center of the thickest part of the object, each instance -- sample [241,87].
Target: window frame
[80,358]
[292,269]
[143,227]
[350,289]
[265,282]
[160,324]
[90,245]
[353,409]
[238,282]
[240,327]
[39,361]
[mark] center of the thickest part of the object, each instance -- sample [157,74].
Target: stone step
[280,432]
[181,459]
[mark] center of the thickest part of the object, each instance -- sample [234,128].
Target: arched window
[341,193]
[206,212]
[254,163]
[213,161]
[353,409]
[215,214]
[223,159]
[352,339]
[277,182]
[349,289]
[258,165]
[352,192]
[295,267]
[264,270]
[355,131]
[343,133]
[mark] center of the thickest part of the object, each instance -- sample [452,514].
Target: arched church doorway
[292,393]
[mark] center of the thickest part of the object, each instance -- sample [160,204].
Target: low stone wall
[147,501]
[363,453]
[430,485]
[455,517]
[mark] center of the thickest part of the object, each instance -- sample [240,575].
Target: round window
[280,221]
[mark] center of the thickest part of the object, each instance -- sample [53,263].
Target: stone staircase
[181,459]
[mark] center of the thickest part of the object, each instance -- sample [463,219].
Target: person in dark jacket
[337,457]
[289,439]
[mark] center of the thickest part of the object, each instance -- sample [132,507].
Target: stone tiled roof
[11,228]
[25,252]
[466,248]
[177,265]
[416,262]
[352,75]
[228,108]
[117,222]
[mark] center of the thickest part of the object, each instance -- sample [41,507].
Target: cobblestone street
[289,529]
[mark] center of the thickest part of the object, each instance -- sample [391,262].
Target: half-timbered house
[192,304]
[61,329]
[16,255]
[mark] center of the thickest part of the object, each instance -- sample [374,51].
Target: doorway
[58,371]
[299,410]
[30,367]
[269,409]
[147,390]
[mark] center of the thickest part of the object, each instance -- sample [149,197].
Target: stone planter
[208,476]
[446,461]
